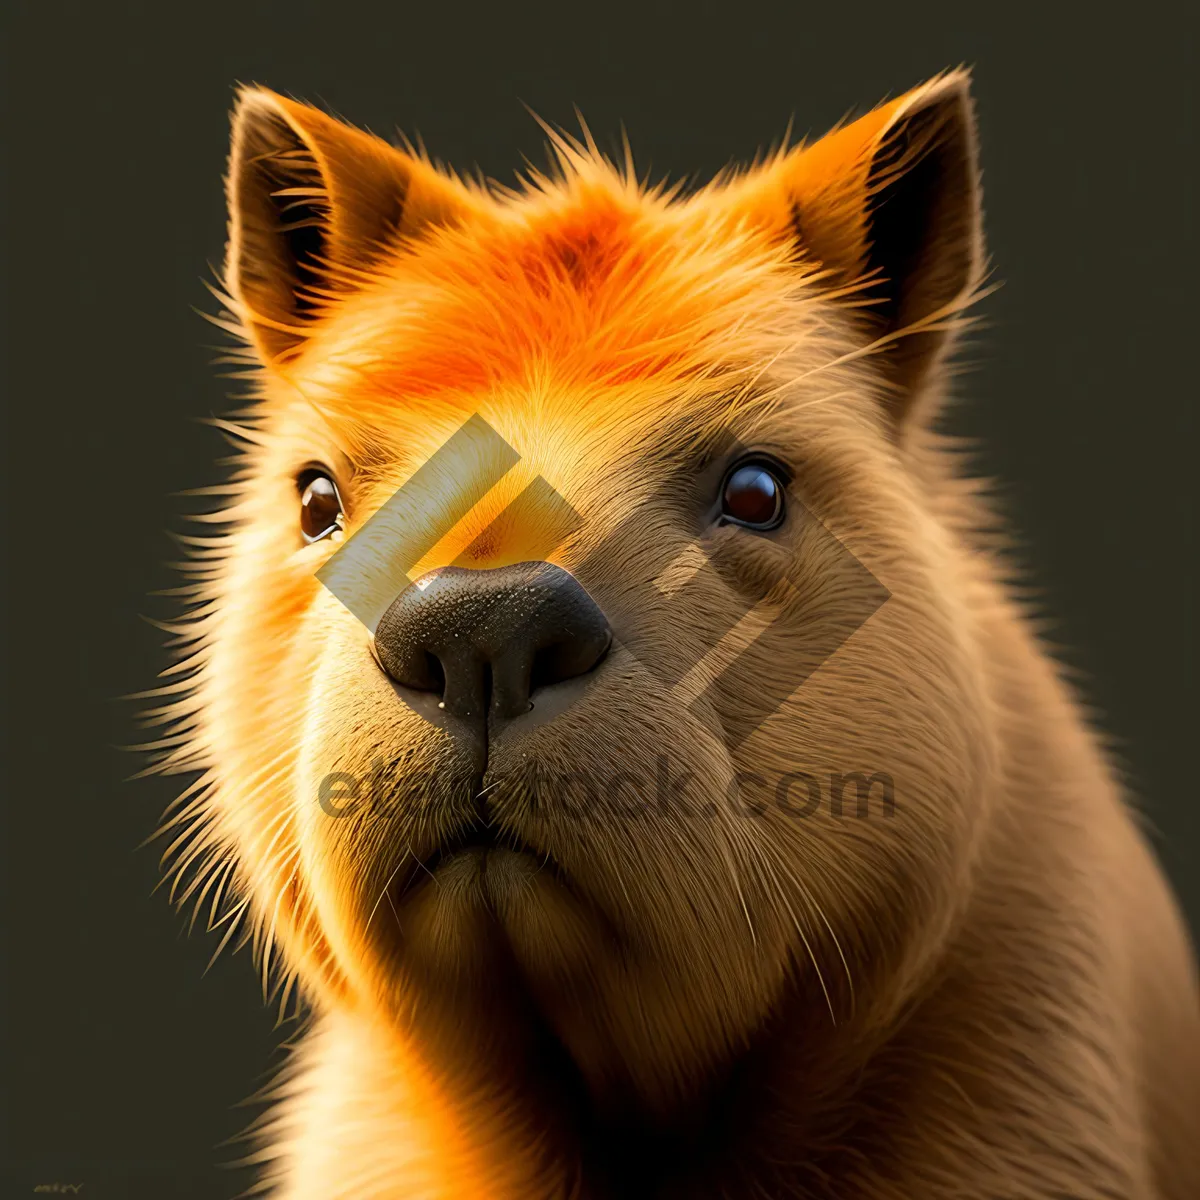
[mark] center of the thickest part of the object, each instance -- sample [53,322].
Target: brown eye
[753,496]
[320,508]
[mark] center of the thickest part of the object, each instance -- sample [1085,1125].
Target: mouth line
[480,838]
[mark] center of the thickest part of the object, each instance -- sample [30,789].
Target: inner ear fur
[313,205]
[889,206]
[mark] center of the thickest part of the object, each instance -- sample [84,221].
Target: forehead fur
[589,286]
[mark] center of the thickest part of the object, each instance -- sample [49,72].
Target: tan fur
[988,993]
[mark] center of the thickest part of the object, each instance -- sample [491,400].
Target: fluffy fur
[987,993]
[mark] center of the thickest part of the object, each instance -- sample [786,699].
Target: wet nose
[488,641]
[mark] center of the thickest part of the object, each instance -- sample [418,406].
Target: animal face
[528,768]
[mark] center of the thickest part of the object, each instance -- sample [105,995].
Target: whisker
[407,852]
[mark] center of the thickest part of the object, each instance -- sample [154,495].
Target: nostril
[543,672]
[414,667]
[566,659]
[548,667]
[435,674]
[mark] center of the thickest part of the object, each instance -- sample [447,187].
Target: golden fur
[988,993]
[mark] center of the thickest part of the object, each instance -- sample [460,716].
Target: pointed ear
[313,205]
[891,204]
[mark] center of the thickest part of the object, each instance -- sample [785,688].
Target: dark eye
[753,496]
[320,506]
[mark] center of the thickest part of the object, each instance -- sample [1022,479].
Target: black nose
[487,641]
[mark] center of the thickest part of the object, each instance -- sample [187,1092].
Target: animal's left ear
[314,204]
[890,206]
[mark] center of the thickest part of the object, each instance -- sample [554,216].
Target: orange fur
[987,994]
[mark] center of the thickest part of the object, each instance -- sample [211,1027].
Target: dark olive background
[122,1060]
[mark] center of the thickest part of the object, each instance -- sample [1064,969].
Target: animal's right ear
[889,206]
[314,204]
